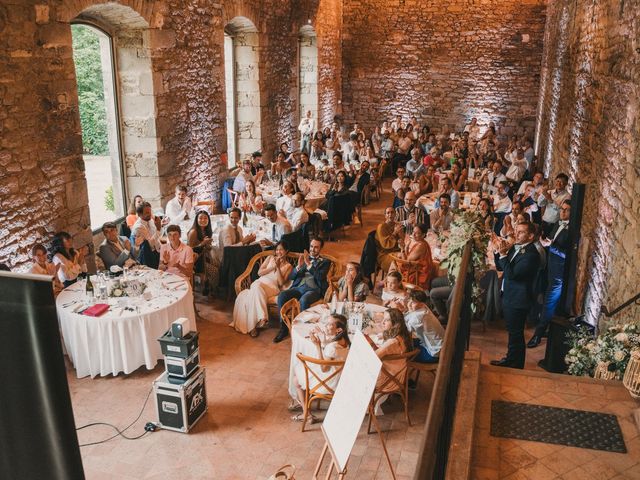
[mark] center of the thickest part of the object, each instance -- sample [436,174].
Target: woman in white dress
[336,348]
[250,311]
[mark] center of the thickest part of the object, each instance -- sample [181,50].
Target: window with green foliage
[92,56]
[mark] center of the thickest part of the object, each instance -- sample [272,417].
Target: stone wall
[589,126]
[443,62]
[178,137]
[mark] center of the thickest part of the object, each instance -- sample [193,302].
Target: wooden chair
[411,271]
[289,311]
[422,367]
[234,197]
[243,282]
[321,390]
[357,211]
[394,384]
[208,205]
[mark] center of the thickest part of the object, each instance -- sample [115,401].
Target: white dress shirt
[240,182]
[278,228]
[230,237]
[427,328]
[176,212]
[147,231]
[285,202]
[501,204]
[297,216]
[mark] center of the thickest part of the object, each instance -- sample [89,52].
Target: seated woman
[71,261]
[388,234]
[43,267]
[352,287]
[393,294]
[250,200]
[338,216]
[486,212]
[250,311]
[133,207]
[336,348]
[417,251]
[199,239]
[305,167]
[284,203]
[405,186]
[281,164]
[458,177]
[397,340]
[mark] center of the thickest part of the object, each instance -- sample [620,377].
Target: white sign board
[351,400]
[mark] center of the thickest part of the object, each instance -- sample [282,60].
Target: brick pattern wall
[588,121]
[42,181]
[444,62]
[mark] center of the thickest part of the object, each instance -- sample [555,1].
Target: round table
[257,224]
[314,197]
[122,340]
[306,321]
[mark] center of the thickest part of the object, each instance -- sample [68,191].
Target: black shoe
[282,334]
[534,342]
[500,363]
[412,384]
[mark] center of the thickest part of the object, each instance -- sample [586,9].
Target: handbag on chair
[285,472]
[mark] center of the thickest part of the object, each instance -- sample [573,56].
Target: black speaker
[38,437]
[557,347]
[571,262]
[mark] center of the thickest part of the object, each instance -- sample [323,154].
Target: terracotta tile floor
[497,458]
[247,432]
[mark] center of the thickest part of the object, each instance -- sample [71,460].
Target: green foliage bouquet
[468,225]
[612,347]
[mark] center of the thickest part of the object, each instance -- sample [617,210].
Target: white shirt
[227,236]
[69,270]
[501,205]
[396,184]
[282,226]
[552,212]
[297,216]
[147,231]
[239,184]
[285,202]
[427,328]
[176,212]
[306,127]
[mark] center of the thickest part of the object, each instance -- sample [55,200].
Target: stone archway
[136,108]
[242,86]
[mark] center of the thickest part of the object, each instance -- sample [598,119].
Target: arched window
[308,73]
[99,119]
[242,87]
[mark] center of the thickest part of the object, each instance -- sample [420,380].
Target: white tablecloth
[302,326]
[257,224]
[121,340]
[314,197]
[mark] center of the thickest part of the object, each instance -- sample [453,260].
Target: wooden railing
[635,299]
[436,436]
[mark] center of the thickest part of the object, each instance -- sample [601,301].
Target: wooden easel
[334,463]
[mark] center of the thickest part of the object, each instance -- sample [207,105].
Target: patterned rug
[561,426]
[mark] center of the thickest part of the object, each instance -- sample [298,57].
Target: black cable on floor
[120,432]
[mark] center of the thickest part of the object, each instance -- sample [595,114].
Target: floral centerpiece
[468,225]
[611,349]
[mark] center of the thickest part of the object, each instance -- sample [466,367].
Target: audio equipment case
[180,406]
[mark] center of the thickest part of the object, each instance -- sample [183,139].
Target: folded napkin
[96,310]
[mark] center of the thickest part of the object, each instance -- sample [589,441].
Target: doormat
[561,426]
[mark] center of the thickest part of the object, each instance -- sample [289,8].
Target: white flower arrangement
[612,347]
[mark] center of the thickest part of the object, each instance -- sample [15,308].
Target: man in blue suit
[309,282]
[519,265]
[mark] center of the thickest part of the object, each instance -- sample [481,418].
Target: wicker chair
[398,383]
[412,271]
[321,390]
[243,282]
[289,311]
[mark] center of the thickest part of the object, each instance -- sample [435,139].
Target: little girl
[393,293]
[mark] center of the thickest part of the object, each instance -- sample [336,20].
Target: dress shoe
[534,342]
[500,363]
[282,334]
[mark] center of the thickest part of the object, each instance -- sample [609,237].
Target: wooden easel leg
[319,464]
[384,446]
